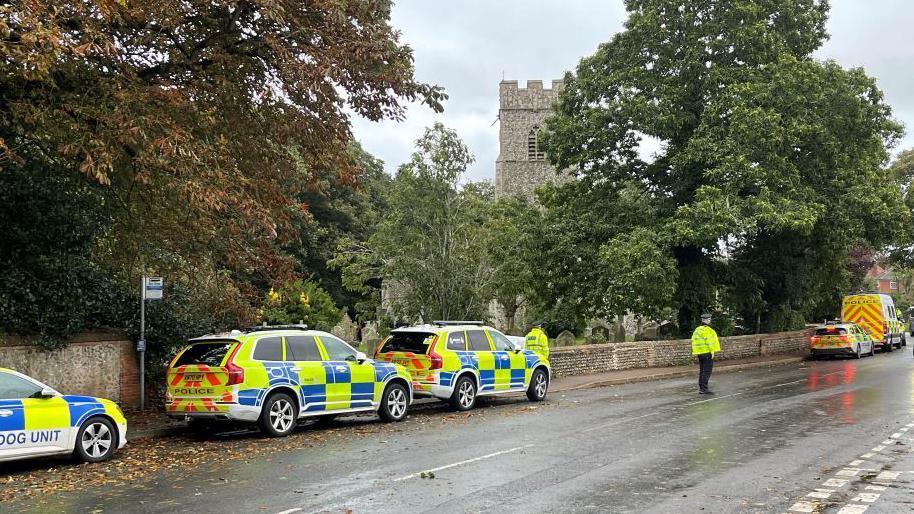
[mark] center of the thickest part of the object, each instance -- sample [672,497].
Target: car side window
[15,388]
[302,348]
[337,350]
[456,341]
[502,343]
[477,341]
[268,349]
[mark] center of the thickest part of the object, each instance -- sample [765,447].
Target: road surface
[820,436]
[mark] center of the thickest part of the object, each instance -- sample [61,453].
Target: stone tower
[521,165]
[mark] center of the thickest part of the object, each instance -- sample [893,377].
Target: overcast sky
[469,45]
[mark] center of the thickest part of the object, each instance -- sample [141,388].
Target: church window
[534,152]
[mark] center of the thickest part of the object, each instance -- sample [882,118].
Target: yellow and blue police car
[276,375]
[458,361]
[36,420]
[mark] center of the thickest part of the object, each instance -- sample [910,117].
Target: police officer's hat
[539,323]
[706,316]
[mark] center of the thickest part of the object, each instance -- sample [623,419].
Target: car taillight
[435,360]
[814,340]
[235,372]
[844,339]
[885,327]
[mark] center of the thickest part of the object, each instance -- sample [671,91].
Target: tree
[206,130]
[428,247]
[759,144]
[513,242]
[300,302]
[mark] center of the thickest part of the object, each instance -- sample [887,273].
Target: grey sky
[467,47]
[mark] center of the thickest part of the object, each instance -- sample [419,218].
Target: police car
[275,376]
[36,420]
[841,339]
[458,361]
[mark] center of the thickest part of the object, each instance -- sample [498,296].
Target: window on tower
[534,152]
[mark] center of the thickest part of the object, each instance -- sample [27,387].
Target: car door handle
[5,413]
[342,368]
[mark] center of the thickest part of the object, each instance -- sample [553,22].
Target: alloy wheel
[96,440]
[540,385]
[396,402]
[466,394]
[281,415]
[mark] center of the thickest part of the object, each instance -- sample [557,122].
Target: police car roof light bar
[264,327]
[445,323]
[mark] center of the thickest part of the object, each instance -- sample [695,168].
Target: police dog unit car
[36,421]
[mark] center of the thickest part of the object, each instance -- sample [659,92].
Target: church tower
[521,166]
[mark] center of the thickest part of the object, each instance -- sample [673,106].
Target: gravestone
[370,338]
[346,330]
[565,338]
[599,334]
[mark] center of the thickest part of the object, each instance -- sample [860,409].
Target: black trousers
[705,365]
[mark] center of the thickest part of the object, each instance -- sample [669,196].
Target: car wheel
[857,353]
[278,416]
[872,349]
[394,403]
[464,396]
[539,386]
[96,440]
[888,348]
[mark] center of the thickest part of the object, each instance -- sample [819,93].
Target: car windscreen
[407,342]
[833,331]
[209,354]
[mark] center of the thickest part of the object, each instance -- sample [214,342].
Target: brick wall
[100,364]
[597,358]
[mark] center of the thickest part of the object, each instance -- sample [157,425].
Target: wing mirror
[47,392]
[360,357]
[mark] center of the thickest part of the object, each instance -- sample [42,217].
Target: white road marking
[878,448]
[875,488]
[867,455]
[855,463]
[848,472]
[835,482]
[896,435]
[468,461]
[713,399]
[290,511]
[803,506]
[904,429]
[888,475]
[853,509]
[887,441]
[822,494]
[866,497]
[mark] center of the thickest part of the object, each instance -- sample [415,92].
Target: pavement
[816,436]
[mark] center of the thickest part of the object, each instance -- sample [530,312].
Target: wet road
[818,437]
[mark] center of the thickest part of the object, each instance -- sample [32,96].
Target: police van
[875,313]
[276,375]
[458,361]
[36,421]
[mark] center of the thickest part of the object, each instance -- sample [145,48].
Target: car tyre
[539,386]
[96,440]
[872,349]
[464,396]
[857,354]
[394,403]
[888,348]
[278,416]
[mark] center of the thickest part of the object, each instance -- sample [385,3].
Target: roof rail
[445,323]
[261,328]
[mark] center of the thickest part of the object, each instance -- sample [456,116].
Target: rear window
[834,331]
[416,342]
[208,354]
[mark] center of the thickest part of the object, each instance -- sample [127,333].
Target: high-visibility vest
[537,341]
[704,340]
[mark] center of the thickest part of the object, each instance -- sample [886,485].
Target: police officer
[537,340]
[704,345]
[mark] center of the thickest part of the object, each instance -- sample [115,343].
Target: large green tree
[762,151]
[428,247]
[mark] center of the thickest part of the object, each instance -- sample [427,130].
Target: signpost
[150,289]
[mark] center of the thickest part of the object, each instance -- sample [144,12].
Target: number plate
[193,377]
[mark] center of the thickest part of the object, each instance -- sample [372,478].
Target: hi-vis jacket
[704,340]
[538,342]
